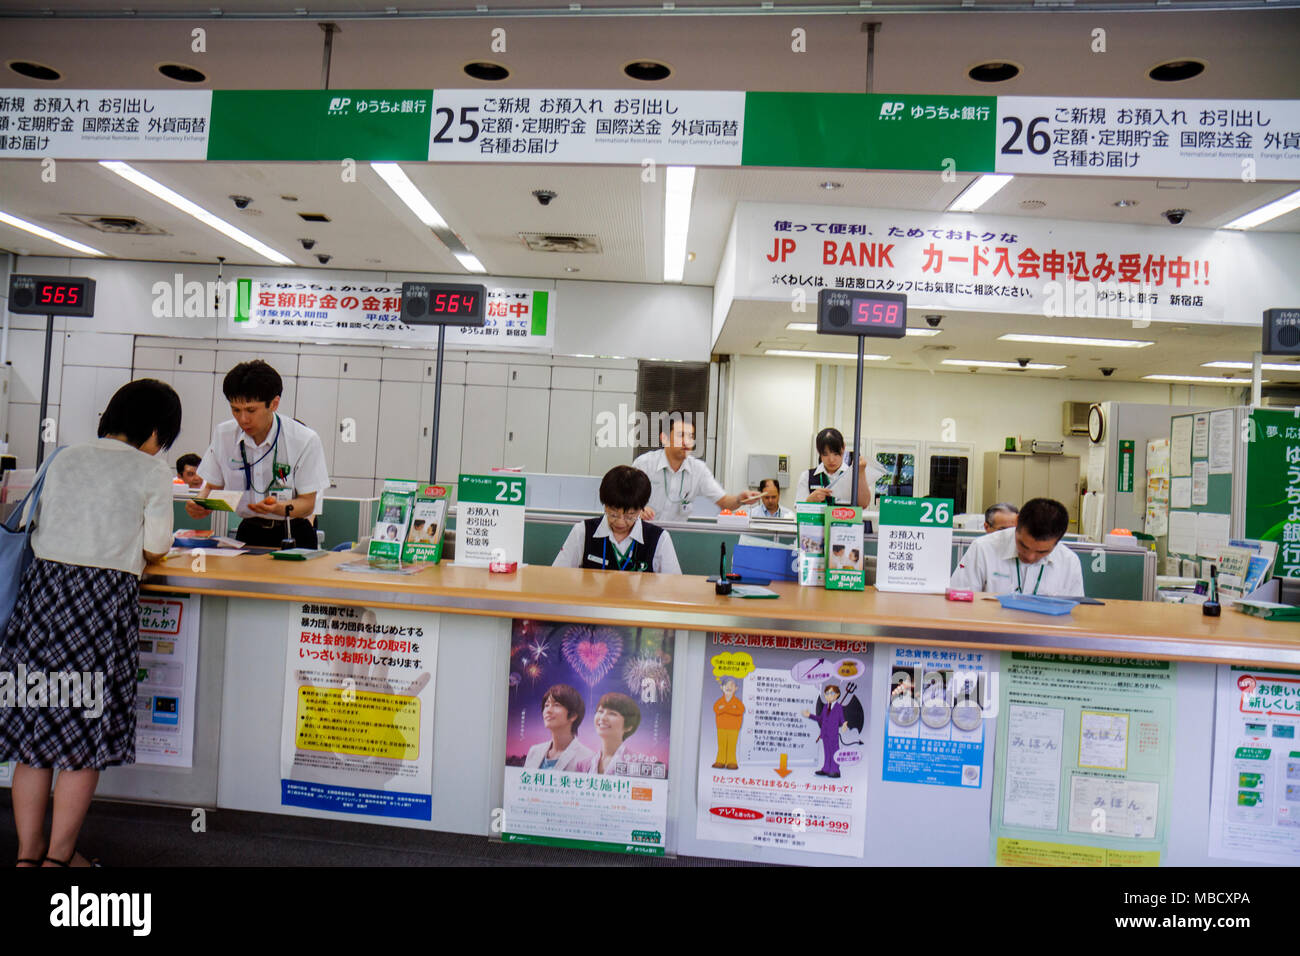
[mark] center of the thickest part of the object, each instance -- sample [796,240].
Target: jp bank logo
[892,111]
[339,105]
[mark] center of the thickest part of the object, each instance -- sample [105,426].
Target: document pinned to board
[1182,532]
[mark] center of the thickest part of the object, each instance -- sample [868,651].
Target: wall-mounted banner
[358,711]
[517,319]
[1181,139]
[587,126]
[783,756]
[981,263]
[587,734]
[105,124]
[169,662]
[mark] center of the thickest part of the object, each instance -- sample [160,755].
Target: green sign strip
[1270,436]
[582,844]
[870,131]
[541,300]
[313,125]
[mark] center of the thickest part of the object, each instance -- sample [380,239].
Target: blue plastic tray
[1038,603]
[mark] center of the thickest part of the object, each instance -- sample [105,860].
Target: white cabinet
[529,376]
[616,380]
[85,395]
[356,427]
[451,428]
[1015,477]
[483,373]
[317,405]
[195,391]
[573,378]
[569,438]
[605,407]
[482,444]
[398,453]
[527,425]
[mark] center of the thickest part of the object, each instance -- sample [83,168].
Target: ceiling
[1248,53]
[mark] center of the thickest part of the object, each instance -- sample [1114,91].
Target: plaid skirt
[71,620]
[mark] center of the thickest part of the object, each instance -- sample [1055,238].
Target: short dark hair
[625,705]
[830,440]
[253,381]
[625,487]
[185,461]
[1001,506]
[1044,519]
[676,415]
[140,409]
[769,481]
[570,700]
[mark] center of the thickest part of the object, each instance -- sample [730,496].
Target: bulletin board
[1200,483]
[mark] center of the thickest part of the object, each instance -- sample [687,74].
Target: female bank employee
[620,541]
[276,461]
[831,481]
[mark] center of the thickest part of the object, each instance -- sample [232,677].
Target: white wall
[666,322]
[776,411]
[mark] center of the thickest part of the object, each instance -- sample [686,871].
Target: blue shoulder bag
[16,546]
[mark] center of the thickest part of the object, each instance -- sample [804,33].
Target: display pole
[45,391]
[857,419]
[437,406]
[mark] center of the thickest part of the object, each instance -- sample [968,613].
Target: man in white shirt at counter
[769,505]
[1027,558]
[677,477]
[276,462]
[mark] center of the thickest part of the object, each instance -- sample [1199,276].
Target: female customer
[106,508]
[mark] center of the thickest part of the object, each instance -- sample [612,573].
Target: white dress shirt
[760,510]
[840,482]
[103,505]
[664,560]
[571,758]
[298,447]
[671,492]
[991,564]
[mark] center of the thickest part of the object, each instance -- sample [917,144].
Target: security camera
[1107,371]
[323,258]
[1024,362]
[1175,216]
[241,202]
[544,196]
[307,243]
[933,320]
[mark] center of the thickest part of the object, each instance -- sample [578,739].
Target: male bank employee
[277,462]
[769,505]
[999,516]
[1027,558]
[677,477]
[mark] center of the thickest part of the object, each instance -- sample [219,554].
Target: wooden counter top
[1120,628]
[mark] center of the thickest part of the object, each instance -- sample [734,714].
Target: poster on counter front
[783,751]
[357,732]
[587,731]
[1084,761]
[166,681]
[939,701]
[1255,793]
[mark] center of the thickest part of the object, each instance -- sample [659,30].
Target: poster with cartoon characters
[783,757]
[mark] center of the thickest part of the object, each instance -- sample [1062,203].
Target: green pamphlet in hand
[220,500]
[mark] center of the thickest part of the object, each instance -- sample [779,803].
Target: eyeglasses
[613,515]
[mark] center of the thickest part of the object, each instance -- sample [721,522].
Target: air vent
[313,217]
[117,225]
[547,242]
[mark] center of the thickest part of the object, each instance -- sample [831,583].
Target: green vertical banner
[1273,485]
[1126,457]
[870,131]
[541,301]
[311,125]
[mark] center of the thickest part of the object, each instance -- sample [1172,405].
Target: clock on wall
[1096,424]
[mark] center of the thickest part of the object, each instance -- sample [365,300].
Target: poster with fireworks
[587,736]
[782,751]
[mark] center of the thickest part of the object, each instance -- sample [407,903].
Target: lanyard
[248,467]
[624,562]
[1020,588]
[681,487]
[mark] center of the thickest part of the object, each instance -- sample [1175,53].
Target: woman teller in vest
[620,541]
[106,509]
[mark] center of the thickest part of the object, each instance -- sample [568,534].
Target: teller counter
[252,613]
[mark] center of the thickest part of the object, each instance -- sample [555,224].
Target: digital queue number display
[845,312]
[436,303]
[51,295]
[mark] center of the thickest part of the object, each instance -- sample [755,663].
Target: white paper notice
[1221,441]
[1124,808]
[1180,446]
[1180,493]
[1158,458]
[1182,531]
[1211,535]
[1096,468]
[1033,780]
[1201,435]
[1103,740]
[1200,483]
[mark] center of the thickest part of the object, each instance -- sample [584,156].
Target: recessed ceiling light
[995,71]
[35,71]
[1125,203]
[975,363]
[841,356]
[648,71]
[679,186]
[979,192]
[483,70]
[1225,382]
[1173,71]
[44,233]
[1075,340]
[1265,213]
[1266,366]
[828,185]
[181,73]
